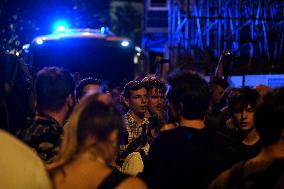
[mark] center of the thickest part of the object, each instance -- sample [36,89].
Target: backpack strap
[133,145]
[112,180]
[143,156]
[144,160]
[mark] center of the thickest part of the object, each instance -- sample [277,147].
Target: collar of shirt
[131,122]
[40,116]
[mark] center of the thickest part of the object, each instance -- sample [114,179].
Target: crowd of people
[182,132]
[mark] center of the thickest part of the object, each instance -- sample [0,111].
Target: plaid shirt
[132,130]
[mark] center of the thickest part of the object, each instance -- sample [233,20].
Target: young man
[134,162]
[156,90]
[136,123]
[266,169]
[189,156]
[242,104]
[157,112]
[89,86]
[55,100]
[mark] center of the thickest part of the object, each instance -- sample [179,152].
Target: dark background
[22,20]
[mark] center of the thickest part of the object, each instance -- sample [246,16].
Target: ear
[127,102]
[70,100]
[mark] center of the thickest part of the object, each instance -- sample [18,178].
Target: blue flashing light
[26,46]
[60,26]
[104,30]
[39,41]
[125,43]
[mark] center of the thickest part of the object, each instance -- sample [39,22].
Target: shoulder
[229,177]
[176,134]
[221,180]
[31,173]
[165,143]
[132,181]
[11,145]
[169,133]
[40,127]
[41,132]
[163,138]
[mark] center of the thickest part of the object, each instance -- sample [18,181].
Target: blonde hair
[70,145]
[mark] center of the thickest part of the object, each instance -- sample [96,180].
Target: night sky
[22,20]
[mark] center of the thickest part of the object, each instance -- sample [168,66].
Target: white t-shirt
[20,167]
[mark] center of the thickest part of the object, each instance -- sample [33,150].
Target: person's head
[242,103]
[54,89]
[262,90]
[188,93]
[156,90]
[269,117]
[135,95]
[94,127]
[88,86]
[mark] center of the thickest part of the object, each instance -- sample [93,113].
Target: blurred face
[156,102]
[105,98]
[137,101]
[244,118]
[92,89]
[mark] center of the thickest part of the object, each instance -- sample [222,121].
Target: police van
[89,52]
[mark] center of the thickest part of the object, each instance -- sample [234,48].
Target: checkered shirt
[132,129]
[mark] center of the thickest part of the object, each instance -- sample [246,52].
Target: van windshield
[106,60]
